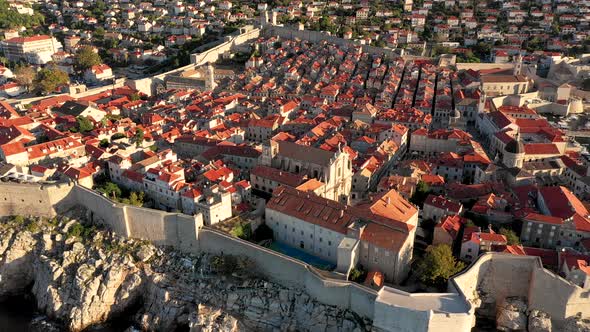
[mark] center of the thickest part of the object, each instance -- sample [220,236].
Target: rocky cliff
[82,276]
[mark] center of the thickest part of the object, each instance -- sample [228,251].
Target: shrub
[32,226]
[76,230]
[511,237]
[357,275]
[18,219]
[117,136]
[242,231]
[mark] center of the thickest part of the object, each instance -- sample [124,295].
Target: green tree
[11,19]
[86,58]
[104,143]
[110,189]
[138,136]
[422,191]
[117,136]
[50,78]
[357,275]
[511,237]
[136,199]
[242,230]
[24,75]
[84,124]
[99,33]
[438,265]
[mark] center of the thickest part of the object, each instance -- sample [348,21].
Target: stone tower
[264,18]
[210,83]
[269,151]
[518,64]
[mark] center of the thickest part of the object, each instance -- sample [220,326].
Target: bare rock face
[511,314]
[84,277]
[206,319]
[16,261]
[539,321]
[575,324]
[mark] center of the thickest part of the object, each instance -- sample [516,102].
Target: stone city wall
[487,281]
[160,227]
[293,273]
[557,296]
[495,276]
[421,311]
[318,36]
[32,199]
[212,55]
[148,85]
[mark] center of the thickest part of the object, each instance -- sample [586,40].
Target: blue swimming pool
[302,256]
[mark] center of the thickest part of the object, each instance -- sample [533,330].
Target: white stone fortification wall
[292,273]
[557,296]
[497,275]
[32,199]
[317,36]
[103,210]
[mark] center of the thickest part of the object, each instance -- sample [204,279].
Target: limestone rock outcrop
[575,324]
[83,276]
[511,314]
[539,321]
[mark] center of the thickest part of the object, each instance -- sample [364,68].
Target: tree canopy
[24,75]
[422,191]
[84,124]
[11,19]
[511,237]
[110,189]
[438,265]
[50,78]
[86,58]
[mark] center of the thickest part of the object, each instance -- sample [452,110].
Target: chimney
[388,200]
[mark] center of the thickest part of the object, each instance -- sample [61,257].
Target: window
[301,245]
[329,243]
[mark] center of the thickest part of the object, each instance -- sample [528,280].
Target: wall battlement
[487,281]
